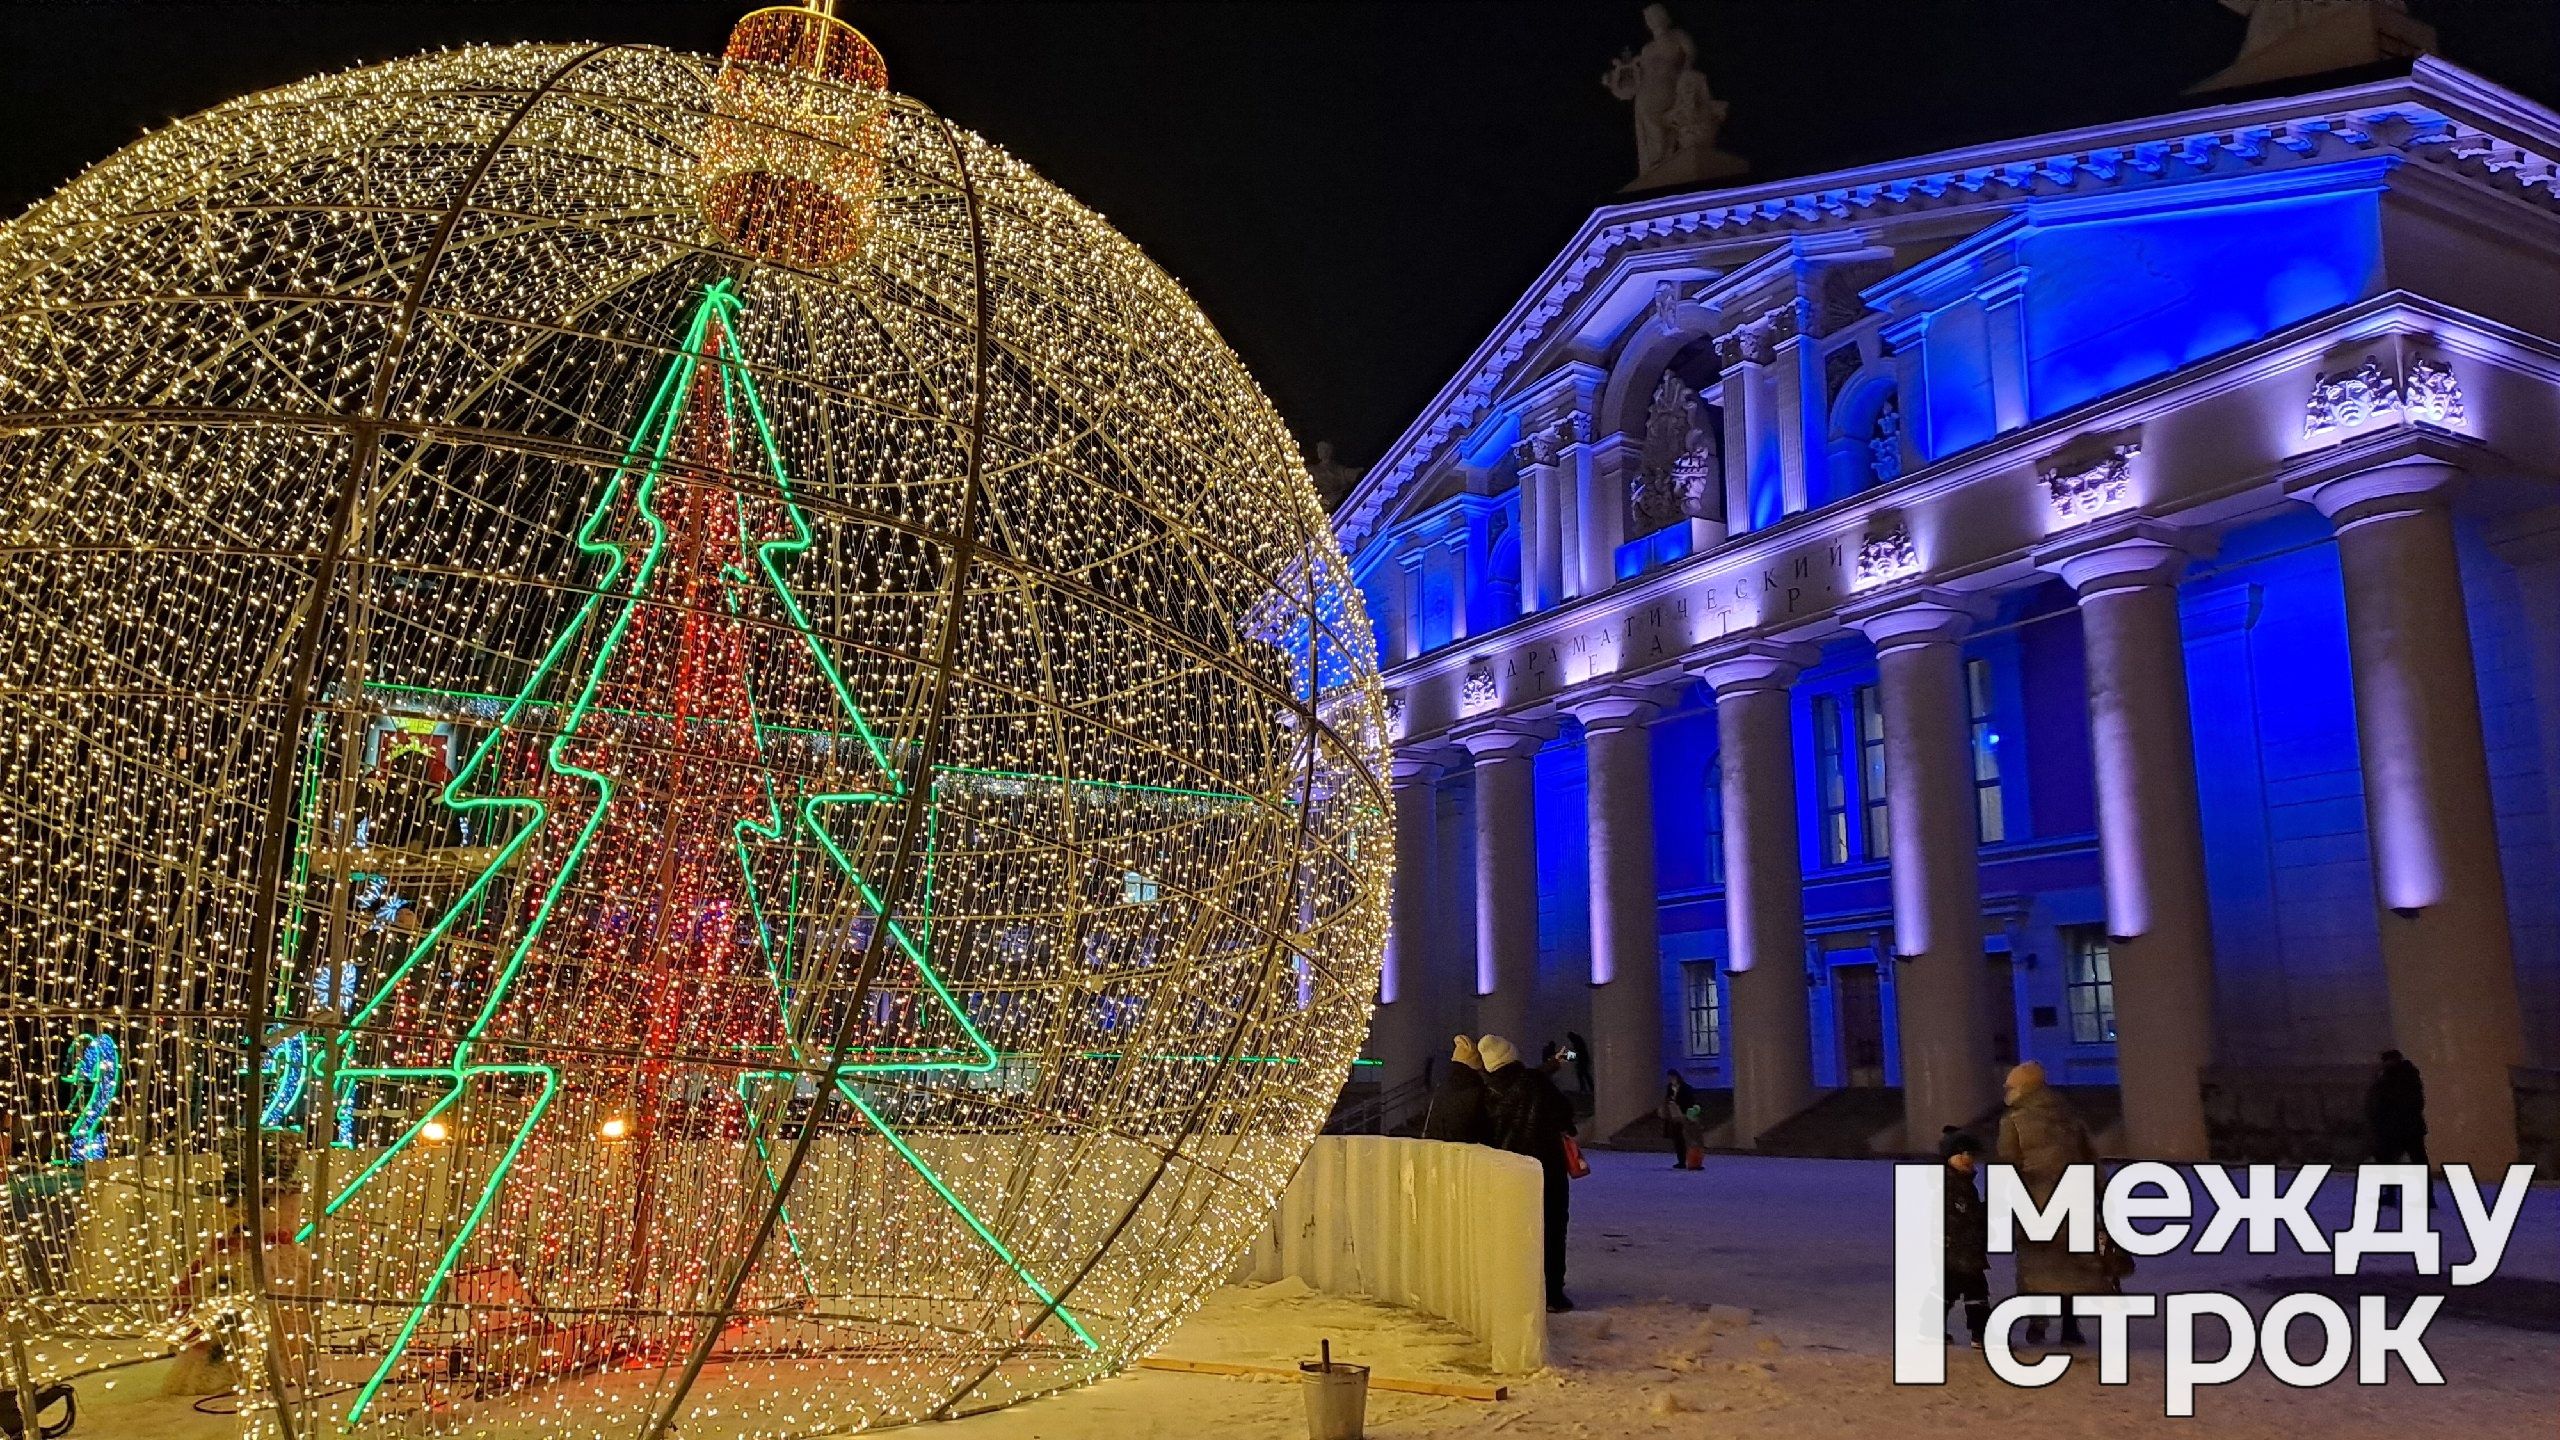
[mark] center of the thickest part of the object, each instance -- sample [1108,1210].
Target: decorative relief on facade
[2100,487]
[2307,136]
[1837,301]
[1395,712]
[1782,324]
[2429,394]
[1680,475]
[2350,398]
[1478,692]
[1884,442]
[1546,444]
[1671,306]
[1838,368]
[1745,345]
[2432,394]
[1886,558]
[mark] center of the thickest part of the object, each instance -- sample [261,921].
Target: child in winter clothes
[1968,1233]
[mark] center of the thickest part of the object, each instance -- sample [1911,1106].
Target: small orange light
[614,1128]
[433,1132]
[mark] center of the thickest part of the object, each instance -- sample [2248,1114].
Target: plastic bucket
[1337,1400]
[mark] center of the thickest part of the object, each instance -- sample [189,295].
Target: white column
[1506,876]
[1606,463]
[2150,830]
[1940,989]
[1796,387]
[1626,951]
[1414,1016]
[2004,321]
[2531,543]
[1537,539]
[1742,355]
[1772,1061]
[1907,341]
[2446,950]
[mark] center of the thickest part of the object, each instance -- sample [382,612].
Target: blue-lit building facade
[2093,599]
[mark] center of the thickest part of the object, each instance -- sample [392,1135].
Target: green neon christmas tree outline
[720,303]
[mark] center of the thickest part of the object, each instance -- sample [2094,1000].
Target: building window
[1874,818]
[2088,983]
[1712,807]
[1704,1008]
[1992,820]
[1831,783]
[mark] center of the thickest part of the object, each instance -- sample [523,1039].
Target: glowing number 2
[289,1060]
[95,1076]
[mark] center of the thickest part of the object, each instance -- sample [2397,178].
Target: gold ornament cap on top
[792,158]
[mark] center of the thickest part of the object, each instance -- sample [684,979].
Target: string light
[554,595]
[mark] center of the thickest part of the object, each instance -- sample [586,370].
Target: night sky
[1354,189]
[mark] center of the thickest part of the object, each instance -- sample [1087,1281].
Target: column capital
[1615,707]
[1494,741]
[2120,556]
[1753,665]
[1917,615]
[1422,767]
[2401,486]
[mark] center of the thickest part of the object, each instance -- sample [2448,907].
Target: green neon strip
[677,384]
[959,1207]
[668,403]
[1213,1059]
[769,557]
[393,1150]
[663,418]
[470,1223]
[772,1181]
[302,861]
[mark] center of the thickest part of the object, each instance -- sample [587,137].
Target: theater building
[2093,598]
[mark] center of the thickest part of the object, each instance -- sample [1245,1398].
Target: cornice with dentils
[2481,130]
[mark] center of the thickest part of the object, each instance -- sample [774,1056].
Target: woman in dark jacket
[1530,1116]
[1457,1107]
[1677,1096]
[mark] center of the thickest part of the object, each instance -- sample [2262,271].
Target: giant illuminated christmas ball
[678,754]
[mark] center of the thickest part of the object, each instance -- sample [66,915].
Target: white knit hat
[1464,1052]
[1497,1052]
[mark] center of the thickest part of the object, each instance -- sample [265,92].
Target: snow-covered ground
[1751,1299]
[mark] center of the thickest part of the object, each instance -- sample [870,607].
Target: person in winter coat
[1529,1116]
[1679,1097]
[1457,1107]
[2043,1137]
[2395,1109]
[1968,1233]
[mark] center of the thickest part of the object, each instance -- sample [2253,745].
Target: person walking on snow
[2395,1109]
[1679,1097]
[1968,1233]
[1529,1116]
[1457,1107]
[2042,1136]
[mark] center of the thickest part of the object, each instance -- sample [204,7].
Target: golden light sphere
[882,733]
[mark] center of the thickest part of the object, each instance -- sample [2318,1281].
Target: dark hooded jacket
[1968,1226]
[1458,1107]
[2396,1106]
[1527,1114]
